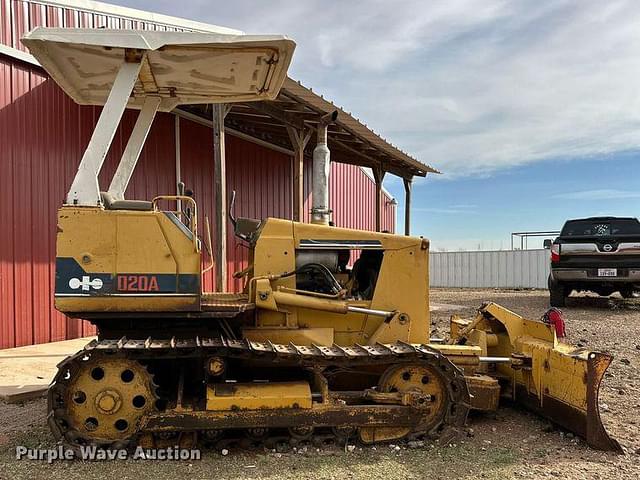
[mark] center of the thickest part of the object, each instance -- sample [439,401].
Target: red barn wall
[42,137]
[43,134]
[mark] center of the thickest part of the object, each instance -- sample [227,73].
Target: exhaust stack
[320,211]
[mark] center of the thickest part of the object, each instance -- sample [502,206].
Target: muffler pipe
[320,212]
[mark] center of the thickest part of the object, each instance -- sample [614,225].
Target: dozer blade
[566,391]
[557,380]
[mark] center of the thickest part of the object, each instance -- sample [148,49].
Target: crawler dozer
[330,337]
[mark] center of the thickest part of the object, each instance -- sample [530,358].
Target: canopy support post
[131,153]
[176,133]
[85,189]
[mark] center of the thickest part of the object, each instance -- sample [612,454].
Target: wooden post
[299,140]
[178,161]
[220,196]
[378,175]
[407,205]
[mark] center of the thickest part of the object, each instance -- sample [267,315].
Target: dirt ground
[508,444]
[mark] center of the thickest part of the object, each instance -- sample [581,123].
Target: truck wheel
[557,295]
[628,292]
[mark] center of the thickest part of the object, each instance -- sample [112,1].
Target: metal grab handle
[194,216]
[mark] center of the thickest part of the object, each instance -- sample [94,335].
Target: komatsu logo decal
[138,283]
[86,283]
[72,280]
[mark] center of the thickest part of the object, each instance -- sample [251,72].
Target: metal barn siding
[489,269]
[36,146]
[352,196]
[262,179]
[43,134]
[18,17]
[260,176]
[196,171]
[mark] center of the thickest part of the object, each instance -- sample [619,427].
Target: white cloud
[598,194]
[468,86]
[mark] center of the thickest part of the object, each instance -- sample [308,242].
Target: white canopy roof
[180,67]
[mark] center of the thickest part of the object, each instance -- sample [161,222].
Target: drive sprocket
[99,399]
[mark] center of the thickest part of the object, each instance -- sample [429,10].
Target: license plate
[607,272]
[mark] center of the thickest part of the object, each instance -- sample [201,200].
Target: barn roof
[300,107]
[351,141]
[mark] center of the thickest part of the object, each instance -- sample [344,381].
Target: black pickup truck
[597,254]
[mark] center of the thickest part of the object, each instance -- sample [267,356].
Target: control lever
[232,207]
[244,228]
[208,244]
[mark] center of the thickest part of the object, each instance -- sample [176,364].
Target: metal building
[490,269]
[43,134]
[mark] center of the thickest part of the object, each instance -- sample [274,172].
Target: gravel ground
[508,444]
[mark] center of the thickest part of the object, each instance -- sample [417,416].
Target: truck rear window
[600,228]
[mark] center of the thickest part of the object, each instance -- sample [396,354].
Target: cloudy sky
[531,109]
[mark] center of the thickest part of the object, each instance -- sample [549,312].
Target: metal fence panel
[490,269]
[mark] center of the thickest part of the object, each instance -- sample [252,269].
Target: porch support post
[407,205]
[299,140]
[220,196]
[176,131]
[378,175]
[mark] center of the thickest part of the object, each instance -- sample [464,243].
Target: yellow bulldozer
[317,346]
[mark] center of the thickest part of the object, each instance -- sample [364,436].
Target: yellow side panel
[141,246]
[403,285]
[187,258]
[389,241]
[275,251]
[258,396]
[121,241]
[89,236]
[124,260]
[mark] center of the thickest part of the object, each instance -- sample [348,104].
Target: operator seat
[110,203]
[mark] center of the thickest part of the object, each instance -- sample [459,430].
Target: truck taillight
[555,253]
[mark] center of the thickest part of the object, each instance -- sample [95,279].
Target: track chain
[290,354]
